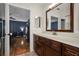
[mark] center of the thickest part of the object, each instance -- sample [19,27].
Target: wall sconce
[37,22]
[36,17]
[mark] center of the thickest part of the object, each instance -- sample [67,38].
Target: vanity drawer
[45,41]
[55,45]
[68,50]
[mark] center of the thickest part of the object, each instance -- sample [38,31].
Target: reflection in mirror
[63,24]
[53,23]
[58,18]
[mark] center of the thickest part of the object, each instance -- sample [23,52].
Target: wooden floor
[29,54]
[17,48]
[19,51]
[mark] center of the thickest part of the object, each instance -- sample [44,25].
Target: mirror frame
[71,18]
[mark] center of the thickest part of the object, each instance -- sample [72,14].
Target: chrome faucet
[54,33]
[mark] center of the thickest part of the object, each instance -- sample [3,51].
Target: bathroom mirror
[60,18]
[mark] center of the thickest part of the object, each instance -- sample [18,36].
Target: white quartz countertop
[62,39]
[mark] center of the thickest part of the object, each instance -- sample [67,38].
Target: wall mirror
[60,18]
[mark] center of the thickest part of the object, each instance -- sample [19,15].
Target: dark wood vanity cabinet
[48,47]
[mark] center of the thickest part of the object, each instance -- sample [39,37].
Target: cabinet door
[35,37]
[51,52]
[39,49]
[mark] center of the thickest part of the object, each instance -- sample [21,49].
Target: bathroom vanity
[46,45]
[59,18]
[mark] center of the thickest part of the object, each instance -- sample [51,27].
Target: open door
[2,30]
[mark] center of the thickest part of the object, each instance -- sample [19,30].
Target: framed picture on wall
[37,22]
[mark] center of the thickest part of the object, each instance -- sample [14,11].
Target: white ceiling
[19,13]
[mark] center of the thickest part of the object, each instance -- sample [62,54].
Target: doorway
[2,29]
[19,30]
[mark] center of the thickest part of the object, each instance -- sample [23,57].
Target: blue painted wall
[15,27]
